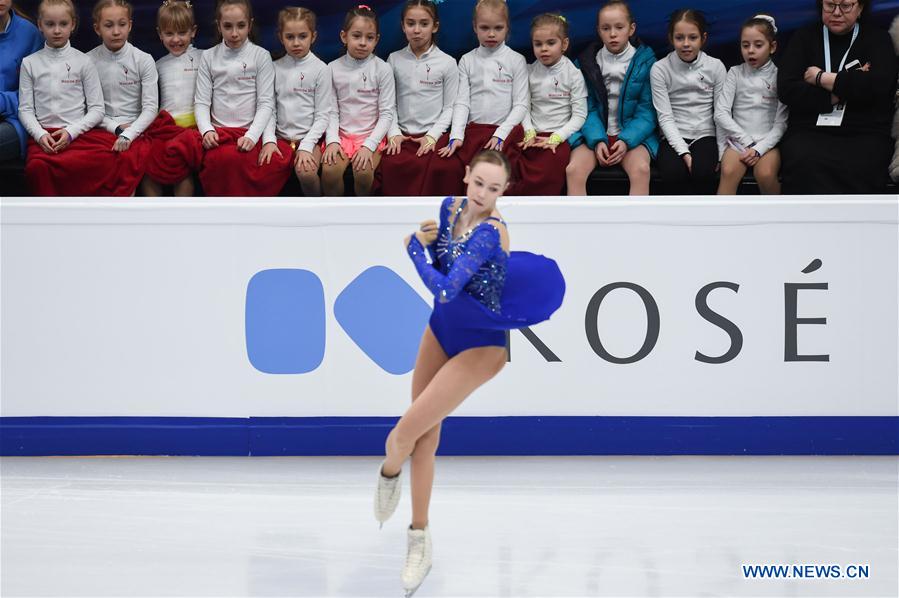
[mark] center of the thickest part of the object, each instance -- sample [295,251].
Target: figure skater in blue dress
[480,291]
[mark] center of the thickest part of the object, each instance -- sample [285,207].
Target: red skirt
[540,171]
[406,174]
[477,135]
[82,169]
[233,173]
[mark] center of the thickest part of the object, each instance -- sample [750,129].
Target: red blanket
[230,172]
[445,170]
[407,174]
[85,168]
[178,157]
[541,172]
[161,132]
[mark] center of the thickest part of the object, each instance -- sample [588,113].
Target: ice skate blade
[409,592]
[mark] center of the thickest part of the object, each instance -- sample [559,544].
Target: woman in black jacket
[838,78]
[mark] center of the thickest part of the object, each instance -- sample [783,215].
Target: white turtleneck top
[683,95]
[558,98]
[426,88]
[748,110]
[235,88]
[493,89]
[303,99]
[614,68]
[59,88]
[364,99]
[130,88]
[178,84]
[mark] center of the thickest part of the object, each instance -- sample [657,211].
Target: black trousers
[677,180]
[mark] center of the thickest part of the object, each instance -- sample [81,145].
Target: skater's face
[615,28]
[177,42]
[486,183]
[687,40]
[297,38]
[419,28]
[491,27]
[361,38]
[755,47]
[113,27]
[234,25]
[56,24]
[549,45]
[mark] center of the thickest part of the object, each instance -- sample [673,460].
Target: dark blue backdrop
[457,36]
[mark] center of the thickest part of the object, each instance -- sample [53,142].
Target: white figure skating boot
[387,495]
[418,559]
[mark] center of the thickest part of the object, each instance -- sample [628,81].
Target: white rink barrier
[289,326]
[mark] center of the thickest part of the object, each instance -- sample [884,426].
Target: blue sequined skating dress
[480,291]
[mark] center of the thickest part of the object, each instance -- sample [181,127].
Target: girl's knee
[765,173]
[637,169]
[730,170]
[307,177]
[577,169]
[331,177]
[363,176]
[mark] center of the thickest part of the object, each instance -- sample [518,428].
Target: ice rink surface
[501,526]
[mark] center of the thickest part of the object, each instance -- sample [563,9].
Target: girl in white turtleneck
[302,102]
[60,104]
[363,106]
[427,83]
[130,89]
[176,26]
[493,97]
[234,101]
[748,113]
[685,86]
[128,75]
[558,109]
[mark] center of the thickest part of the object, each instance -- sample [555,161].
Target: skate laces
[416,549]
[388,486]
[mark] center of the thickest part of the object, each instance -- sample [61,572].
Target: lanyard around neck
[827,48]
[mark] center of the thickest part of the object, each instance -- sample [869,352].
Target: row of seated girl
[406,127]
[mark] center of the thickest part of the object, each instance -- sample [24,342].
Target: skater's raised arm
[483,243]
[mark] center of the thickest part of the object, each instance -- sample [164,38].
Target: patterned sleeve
[483,242]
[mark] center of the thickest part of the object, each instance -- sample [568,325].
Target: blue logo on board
[285,320]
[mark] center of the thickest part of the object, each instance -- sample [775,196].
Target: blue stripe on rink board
[555,435]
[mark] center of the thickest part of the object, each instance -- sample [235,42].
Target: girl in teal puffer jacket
[621,121]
